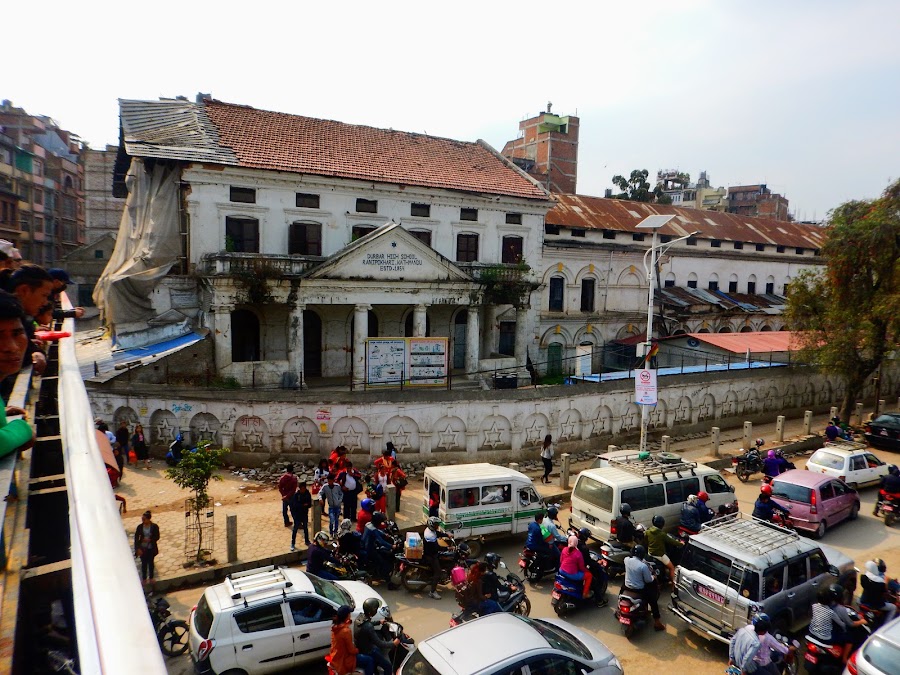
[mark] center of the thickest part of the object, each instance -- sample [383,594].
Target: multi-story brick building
[547,149]
[757,201]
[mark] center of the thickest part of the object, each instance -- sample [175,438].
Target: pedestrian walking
[350,480]
[145,547]
[333,498]
[300,503]
[287,486]
[123,438]
[139,444]
[547,457]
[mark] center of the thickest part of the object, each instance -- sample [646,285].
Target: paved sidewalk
[262,537]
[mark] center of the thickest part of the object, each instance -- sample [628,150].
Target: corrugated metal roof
[739,343]
[597,213]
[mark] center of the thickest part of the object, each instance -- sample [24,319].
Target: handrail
[112,624]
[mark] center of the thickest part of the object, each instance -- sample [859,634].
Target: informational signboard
[645,387]
[410,362]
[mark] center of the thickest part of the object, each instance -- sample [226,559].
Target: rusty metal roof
[740,343]
[598,213]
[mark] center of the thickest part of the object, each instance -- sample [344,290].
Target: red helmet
[702,496]
[766,490]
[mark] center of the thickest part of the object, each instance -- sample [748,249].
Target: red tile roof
[280,142]
[760,342]
[598,213]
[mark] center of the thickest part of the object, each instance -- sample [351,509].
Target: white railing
[232,263]
[112,624]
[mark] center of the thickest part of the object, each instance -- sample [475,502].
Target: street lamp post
[652,223]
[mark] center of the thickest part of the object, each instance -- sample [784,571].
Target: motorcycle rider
[490,581]
[750,650]
[536,542]
[830,626]
[657,539]
[349,540]
[364,515]
[318,555]
[890,485]
[765,508]
[599,578]
[876,586]
[783,465]
[771,465]
[624,527]
[639,577]
[551,523]
[694,513]
[431,553]
[379,549]
[367,639]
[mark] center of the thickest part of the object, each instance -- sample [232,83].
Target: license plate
[709,594]
[555,595]
[522,564]
[625,620]
[810,657]
[604,563]
[590,519]
[887,507]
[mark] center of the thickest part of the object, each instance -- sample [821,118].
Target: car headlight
[614,663]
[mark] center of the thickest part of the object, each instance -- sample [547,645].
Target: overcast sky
[803,95]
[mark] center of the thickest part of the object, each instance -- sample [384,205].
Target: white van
[481,499]
[651,486]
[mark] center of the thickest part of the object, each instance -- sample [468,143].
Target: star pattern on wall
[629,418]
[447,438]
[400,439]
[598,424]
[534,432]
[164,430]
[350,439]
[682,412]
[204,432]
[300,439]
[253,440]
[567,430]
[492,436]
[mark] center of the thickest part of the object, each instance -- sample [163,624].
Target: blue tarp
[127,355]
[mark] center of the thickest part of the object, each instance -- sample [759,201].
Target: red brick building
[758,201]
[547,149]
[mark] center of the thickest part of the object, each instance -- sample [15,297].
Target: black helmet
[378,518]
[893,470]
[836,592]
[625,509]
[639,552]
[463,549]
[492,560]
[584,534]
[658,521]
[370,606]
[762,624]
[552,511]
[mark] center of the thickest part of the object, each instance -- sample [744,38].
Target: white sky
[803,95]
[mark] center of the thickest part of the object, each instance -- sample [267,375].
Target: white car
[268,620]
[880,654]
[852,462]
[510,644]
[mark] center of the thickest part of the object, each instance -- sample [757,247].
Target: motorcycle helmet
[492,560]
[552,511]
[770,454]
[463,550]
[702,496]
[760,442]
[367,505]
[893,470]
[835,592]
[762,624]
[692,500]
[639,552]
[322,538]
[179,437]
[625,510]
[762,616]
[766,490]
[370,606]
[779,453]
[434,523]
[658,521]
[378,518]
[584,534]
[881,565]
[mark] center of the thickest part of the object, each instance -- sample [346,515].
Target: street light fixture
[652,223]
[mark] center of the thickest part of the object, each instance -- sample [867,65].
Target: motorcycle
[785,664]
[747,464]
[632,611]
[823,658]
[512,599]
[172,634]
[390,630]
[613,554]
[889,506]
[875,616]
[537,565]
[347,568]
[415,574]
[568,593]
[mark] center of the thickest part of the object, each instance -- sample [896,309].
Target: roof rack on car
[844,444]
[260,580]
[746,532]
[648,465]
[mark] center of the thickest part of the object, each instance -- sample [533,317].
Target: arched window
[554,359]
[245,337]
[588,289]
[713,282]
[766,329]
[670,280]
[557,293]
[692,280]
[747,329]
[725,329]
[751,284]
[305,239]
[511,250]
[733,284]
[770,285]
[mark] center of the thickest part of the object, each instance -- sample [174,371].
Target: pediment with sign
[389,253]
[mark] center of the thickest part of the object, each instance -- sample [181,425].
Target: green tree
[636,188]
[847,312]
[193,473]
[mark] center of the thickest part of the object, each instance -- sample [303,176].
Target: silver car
[509,644]
[880,654]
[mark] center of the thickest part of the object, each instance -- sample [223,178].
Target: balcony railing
[223,263]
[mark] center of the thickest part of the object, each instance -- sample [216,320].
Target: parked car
[738,566]
[884,431]
[880,654]
[269,619]
[510,644]
[850,461]
[815,501]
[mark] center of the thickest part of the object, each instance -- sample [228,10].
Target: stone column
[360,333]
[222,337]
[420,321]
[473,338]
[489,334]
[521,338]
[295,344]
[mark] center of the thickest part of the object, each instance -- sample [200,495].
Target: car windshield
[331,591]
[558,638]
[417,664]
[203,617]
[827,459]
[882,654]
[890,421]
[594,493]
[795,493]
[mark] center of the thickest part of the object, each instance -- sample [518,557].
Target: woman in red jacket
[344,656]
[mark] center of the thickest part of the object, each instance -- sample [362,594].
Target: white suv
[269,619]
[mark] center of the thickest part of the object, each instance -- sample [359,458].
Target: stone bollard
[880,409]
[833,413]
[612,448]
[898,404]
[748,433]
[231,536]
[716,440]
[391,493]
[779,429]
[665,444]
[316,523]
[857,413]
[514,466]
[564,471]
[807,422]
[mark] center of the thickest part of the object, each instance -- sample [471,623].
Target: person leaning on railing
[13,344]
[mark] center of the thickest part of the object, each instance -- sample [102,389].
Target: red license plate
[522,564]
[604,563]
[625,620]
[709,594]
[555,595]
[887,507]
[811,657]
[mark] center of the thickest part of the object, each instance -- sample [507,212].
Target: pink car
[815,501]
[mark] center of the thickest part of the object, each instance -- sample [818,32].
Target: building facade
[547,150]
[757,201]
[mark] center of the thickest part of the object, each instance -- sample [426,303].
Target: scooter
[888,505]
[613,554]
[827,659]
[512,599]
[347,569]
[632,611]
[537,565]
[391,630]
[172,634]
[415,574]
[568,593]
[874,616]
